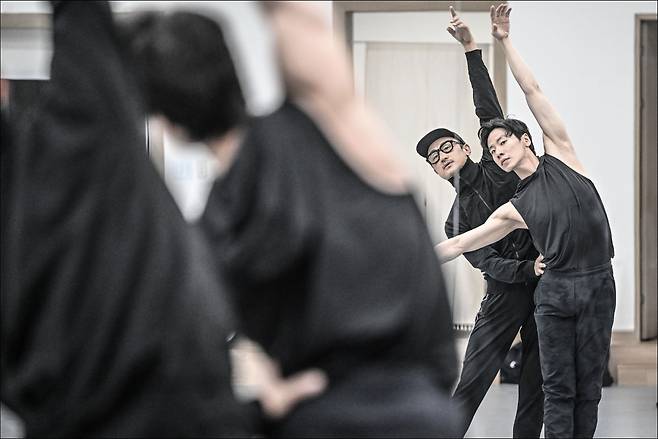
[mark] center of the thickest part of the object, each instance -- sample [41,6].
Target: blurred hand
[500,25]
[460,31]
[539,265]
[280,395]
[257,375]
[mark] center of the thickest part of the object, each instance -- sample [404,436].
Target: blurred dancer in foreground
[314,226]
[114,320]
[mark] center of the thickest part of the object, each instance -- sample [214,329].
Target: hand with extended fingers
[500,21]
[539,265]
[460,31]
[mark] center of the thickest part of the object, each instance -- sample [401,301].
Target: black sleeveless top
[330,272]
[565,216]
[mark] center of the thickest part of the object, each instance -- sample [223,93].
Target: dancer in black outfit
[559,205]
[114,320]
[315,228]
[509,266]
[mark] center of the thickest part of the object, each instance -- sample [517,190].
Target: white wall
[26,54]
[249,40]
[583,55]
[413,73]
[189,170]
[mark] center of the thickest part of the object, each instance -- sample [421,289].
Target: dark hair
[185,71]
[511,126]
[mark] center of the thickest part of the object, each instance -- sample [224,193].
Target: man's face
[448,163]
[506,149]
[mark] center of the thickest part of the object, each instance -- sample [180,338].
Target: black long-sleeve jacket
[114,322]
[482,188]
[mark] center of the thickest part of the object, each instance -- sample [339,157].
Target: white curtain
[416,87]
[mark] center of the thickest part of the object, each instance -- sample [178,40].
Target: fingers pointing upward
[503,10]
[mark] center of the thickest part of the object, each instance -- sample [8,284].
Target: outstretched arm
[503,221]
[489,261]
[556,139]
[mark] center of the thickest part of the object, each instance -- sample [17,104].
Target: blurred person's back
[113,321]
[329,271]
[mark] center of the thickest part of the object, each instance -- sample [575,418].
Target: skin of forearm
[317,72]
[448,250]
[314,68]
[493,230]
[469,47]
[519,68]
[361,139]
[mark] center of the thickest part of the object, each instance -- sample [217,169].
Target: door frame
[343,27]
[639,178]
[342,24]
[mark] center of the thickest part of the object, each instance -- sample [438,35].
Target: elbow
[459,247]
[447,250]
[531,88]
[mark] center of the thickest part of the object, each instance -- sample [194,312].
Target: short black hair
[185,71]
[511,126]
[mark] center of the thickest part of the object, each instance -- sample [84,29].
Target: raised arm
[485,99]
[556,139]
[89,87]
[318,76]
[503,221]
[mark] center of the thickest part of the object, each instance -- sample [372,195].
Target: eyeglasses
[446,148]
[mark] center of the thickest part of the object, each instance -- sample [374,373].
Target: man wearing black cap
[510,266]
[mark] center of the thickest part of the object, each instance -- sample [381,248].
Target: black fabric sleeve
[501,269]
[489,261]
[258,222]
[90,89]
[257,215]
[117,327]
[485,99]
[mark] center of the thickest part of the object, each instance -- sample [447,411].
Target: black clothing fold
[332,273]
[570,227]
[114,322]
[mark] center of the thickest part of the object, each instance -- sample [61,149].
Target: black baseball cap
[429,138]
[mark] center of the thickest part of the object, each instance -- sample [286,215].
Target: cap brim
[429,138]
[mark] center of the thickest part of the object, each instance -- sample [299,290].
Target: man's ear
[526,139]
[466,148]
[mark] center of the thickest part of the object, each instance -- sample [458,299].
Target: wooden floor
[632,362]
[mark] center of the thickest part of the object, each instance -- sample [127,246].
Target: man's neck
[527,166]
[226,147]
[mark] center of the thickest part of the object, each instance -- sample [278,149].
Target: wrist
[469,47]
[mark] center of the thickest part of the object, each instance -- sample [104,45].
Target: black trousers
[574,315]
[496,325]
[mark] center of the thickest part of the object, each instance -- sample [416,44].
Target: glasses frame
[445,147]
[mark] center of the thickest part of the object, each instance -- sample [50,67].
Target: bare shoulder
[508,213]
[566,154]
